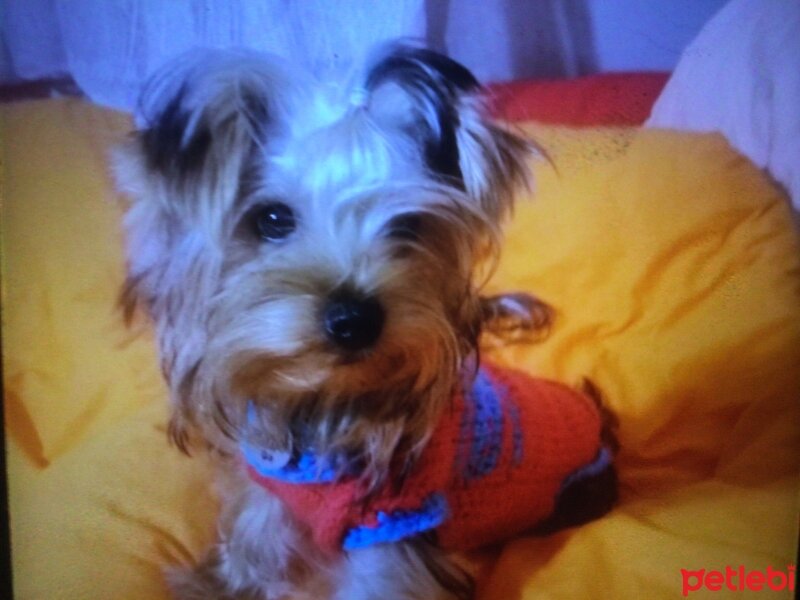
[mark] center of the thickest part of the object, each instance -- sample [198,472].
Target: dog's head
[315,248]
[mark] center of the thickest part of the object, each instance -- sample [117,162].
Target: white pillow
[741,76]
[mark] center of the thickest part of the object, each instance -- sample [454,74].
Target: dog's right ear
[196,119]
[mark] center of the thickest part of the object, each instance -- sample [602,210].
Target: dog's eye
[406,227]
[273,221]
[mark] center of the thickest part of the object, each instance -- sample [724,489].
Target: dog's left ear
[438,102]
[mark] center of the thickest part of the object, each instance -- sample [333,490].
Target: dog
[312,254]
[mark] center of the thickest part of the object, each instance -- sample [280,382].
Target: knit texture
[493,468]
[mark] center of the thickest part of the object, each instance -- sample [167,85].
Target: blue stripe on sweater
[399,524]
[484,426]
[601,461]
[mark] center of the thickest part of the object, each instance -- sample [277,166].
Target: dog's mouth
[327,371]
[352,358]
[355,357]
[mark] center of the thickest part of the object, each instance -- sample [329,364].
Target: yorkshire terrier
[312,255]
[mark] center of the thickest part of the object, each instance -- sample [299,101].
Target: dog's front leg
[411,570]
[262,555]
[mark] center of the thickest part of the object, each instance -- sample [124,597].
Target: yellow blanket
[675,269]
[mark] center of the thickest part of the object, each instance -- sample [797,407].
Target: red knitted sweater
[493,468]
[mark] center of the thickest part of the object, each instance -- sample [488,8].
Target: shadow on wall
[558,35]
[543,39]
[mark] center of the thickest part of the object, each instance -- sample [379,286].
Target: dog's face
[314,248]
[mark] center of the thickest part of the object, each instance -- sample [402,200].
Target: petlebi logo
[739,579]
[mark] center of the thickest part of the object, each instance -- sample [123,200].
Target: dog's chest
[493,468]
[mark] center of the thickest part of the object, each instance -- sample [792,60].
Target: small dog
[311,254]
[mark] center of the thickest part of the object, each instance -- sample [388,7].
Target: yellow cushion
[675,270]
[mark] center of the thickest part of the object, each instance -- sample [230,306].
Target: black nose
[353,323]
